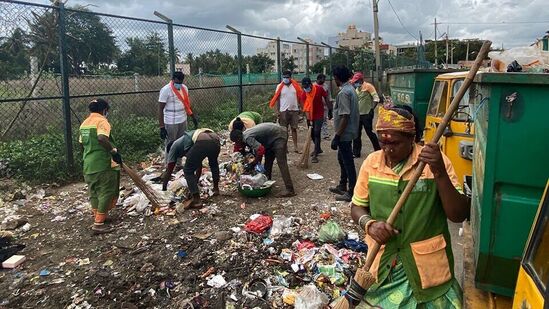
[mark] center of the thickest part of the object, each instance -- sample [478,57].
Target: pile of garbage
[520,59]
[306,271]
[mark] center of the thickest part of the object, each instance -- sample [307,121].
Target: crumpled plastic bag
[259,224]
[331,232]
[281,225]
[310,298]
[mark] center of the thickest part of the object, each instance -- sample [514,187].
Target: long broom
[304,162]
[142,185]
[363,279]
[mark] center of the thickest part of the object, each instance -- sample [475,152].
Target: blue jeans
[347,165]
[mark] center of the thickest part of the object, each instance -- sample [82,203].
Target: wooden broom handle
[372,252]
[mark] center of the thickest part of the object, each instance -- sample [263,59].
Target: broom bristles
[142,185]
[365,279]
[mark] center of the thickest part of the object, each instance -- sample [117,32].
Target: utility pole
[436,59]
[467,53]
[447,29]
[451,52]
[376,41]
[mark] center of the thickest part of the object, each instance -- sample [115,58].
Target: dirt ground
[137,266]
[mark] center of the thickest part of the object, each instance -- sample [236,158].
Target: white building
[270,50]
[354,39]
[316,54]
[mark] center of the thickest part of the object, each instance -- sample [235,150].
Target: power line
[400,21]
[494,23]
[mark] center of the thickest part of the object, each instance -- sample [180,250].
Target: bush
[42,158]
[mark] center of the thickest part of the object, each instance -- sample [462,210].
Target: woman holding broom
[415,266]
[101,163]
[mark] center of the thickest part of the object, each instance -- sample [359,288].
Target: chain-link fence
[54,60]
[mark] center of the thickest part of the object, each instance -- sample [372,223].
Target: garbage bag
[259,224]
[331,232]
[254,181]
[310,298]
[514,67]
[355,245]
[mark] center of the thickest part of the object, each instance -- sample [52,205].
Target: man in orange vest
[286,102]
[174,108]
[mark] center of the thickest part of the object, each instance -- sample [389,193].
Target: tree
[90,43]
[14,55]
[260,63]
[288,64]
[145,56]
[213,62]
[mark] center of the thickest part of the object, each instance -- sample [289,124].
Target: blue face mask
[357,85]
[177,86]
[286,80]
[308,89]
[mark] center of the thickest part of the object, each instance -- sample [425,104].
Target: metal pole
[436,52]
[240,88]
[330,64]
[171,49]
[64,68]
[447,46]
[306,55]
[278,60]
[467,53]
[376,41]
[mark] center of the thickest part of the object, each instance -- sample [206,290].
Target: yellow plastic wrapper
[289,296]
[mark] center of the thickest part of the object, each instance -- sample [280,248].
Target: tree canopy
[146,56]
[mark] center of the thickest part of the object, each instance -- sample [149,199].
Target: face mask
[106,114]
[286,80]
[357,85]
[177,86]
[308,89]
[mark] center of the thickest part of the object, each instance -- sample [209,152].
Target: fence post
[64,69]
[330,64]
[171,49]
[240,88]
[306,55]
[278,60]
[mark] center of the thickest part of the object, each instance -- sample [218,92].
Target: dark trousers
[347,166]
[202,149]
[315,134]
[278,151]
[366,123]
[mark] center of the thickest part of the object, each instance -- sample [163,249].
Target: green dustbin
[413,87]
[510,170]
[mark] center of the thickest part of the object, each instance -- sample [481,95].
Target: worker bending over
[195,145]
[271,140]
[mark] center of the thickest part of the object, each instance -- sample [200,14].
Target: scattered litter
[259,225]
[255,289]
[58,219]
[281,225]
[108,263]
[330,232]
[181,253]
[83,262]
[310,298]
[315,176]
[14,261]
[217,281]
[44,272]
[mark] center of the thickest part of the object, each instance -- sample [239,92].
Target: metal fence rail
[54,59]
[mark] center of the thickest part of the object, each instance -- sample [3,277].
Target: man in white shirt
[173,109]
[287,105]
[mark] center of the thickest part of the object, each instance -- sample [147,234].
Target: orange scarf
[298,92]
[309,101]
[183,96]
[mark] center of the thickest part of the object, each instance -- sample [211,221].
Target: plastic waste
[310,298]
[530,58]
[259,224]
[355,245]
[331,232]
[217,281]
[514,67]
[281,225]
[254,181]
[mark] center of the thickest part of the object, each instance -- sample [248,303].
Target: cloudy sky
[515,23]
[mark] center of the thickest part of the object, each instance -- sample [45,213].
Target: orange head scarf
[395,119]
